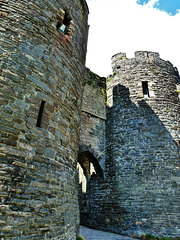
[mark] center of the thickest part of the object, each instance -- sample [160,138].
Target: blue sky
[170,6]
[129,26]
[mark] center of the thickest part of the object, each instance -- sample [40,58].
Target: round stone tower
[42,51]
[143,138]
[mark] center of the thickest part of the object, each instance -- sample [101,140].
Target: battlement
[120,62]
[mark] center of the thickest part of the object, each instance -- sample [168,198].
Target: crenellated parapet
[120,62]
[146,71]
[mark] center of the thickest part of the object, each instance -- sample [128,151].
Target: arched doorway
[89,172]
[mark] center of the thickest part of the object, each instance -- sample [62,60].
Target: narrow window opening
[41,109]
[145,89]
[66,25]
[64,22]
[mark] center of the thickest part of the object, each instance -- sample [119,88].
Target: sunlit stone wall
[41,85]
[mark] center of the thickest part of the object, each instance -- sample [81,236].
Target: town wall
[139,191]
[129,151]
[92,142]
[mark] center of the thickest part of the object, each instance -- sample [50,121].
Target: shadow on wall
[142,166]
[85,158]
[139,193]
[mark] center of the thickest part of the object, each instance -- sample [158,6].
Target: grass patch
[79,237]
[151,237]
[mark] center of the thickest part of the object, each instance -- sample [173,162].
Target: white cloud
[125,26]
[151,3]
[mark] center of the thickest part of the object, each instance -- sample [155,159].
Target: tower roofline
[120,61]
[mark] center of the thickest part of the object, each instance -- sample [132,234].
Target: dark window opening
[145,89]
[39,120]
[63,23]
[66,25]
[67,18]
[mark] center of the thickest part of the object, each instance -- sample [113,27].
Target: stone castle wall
[92,141]
[139,193]
[134,146]
[93,118]
[42,74]
[143,133]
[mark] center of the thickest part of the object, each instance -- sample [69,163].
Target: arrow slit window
[145,89]
[40,115]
